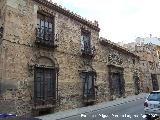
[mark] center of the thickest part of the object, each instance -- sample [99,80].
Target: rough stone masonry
[62,67]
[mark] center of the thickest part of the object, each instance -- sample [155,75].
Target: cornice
[104,41]
[68,13]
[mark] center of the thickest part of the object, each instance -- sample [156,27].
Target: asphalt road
[129,111]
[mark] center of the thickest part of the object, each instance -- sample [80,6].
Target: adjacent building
[122,68]
[149,63]
[148,51]
[52,60]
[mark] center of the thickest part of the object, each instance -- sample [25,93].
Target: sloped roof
[68,13]
[104,41]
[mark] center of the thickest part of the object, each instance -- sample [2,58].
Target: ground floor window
[44,85]
[88,85]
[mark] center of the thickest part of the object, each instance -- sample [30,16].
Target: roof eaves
[72,15]
[104,41]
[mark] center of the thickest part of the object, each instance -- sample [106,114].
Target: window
[85,42]
[154,96]
[88,86]
[45,31]
[159,55]
[45,85]
[1,32]
[133,60]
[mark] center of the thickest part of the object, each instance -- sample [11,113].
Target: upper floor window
[85,42]
[45,29]
[1,32]
[133,60]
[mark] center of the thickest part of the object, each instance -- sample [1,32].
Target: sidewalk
[78,111]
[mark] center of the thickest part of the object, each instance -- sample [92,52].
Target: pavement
[83,110]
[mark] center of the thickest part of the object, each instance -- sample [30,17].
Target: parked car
[152,105]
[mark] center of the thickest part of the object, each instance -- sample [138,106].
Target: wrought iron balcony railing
[88,52]
[47,38]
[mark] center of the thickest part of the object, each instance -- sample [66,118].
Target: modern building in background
[53,60]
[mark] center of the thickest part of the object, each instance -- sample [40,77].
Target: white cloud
[120,20]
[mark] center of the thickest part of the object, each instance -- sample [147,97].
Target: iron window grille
[86,48]
[45,86]
[45,31]
[88,86]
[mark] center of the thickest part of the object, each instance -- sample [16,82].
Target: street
[128,111]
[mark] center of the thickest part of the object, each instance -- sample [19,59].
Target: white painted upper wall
[147,40]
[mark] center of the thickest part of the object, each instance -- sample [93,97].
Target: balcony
[88,52]
[46,38]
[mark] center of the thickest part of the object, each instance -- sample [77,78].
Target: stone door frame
[112,69]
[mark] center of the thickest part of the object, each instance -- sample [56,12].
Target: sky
[119,20]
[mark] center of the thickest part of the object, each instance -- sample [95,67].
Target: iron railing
[45,37]
[88,51]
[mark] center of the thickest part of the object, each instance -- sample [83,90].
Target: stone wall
[123,60]
[148,64]
[19,53]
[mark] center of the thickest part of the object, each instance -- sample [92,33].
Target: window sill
[89,100]
[43,106]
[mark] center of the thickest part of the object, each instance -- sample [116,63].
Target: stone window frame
[50,101]
[38,61]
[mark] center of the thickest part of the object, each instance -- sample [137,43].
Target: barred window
[45,83]
[45,27]
[88,86]
[85,41]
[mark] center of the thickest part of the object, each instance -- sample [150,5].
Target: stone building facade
[121,66]
[52,59]
[149,64]
[148,50]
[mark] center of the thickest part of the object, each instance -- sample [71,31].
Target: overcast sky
[119,20]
